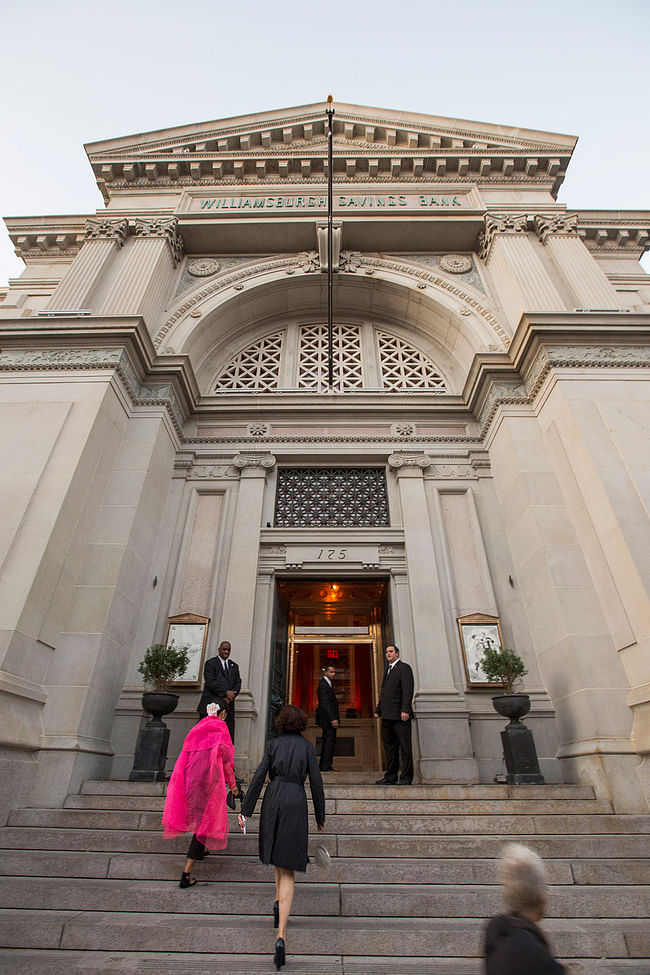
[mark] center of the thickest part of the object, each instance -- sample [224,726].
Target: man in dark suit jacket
[395,710]
[222,684]
[327,716]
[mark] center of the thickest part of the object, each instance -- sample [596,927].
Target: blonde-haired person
[514,944]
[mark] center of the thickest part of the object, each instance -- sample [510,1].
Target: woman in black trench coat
[284,829]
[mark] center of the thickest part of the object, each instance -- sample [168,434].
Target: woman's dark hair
[291,720]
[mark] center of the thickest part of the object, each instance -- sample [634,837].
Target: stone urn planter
[519,752]
[161,664]
[513,706]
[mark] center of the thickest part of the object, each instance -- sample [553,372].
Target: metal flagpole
[330,229]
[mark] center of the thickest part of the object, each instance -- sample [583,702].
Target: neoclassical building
[478,466]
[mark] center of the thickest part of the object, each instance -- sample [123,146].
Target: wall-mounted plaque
[478,633]
[191,631]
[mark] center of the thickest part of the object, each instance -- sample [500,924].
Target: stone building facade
[172,445]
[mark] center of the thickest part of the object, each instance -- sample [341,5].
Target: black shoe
[276,914]
[186,881]
[385,781]
[280,956]
[404,782]
[330,769]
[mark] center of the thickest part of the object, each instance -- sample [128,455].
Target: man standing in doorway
[222,684]
[395,710]
[327,716]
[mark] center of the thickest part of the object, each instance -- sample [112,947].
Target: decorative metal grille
[256,367]
[331,497]
[313,362]
[403,367]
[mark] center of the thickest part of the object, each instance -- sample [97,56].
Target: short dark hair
[394,646]
[291,720]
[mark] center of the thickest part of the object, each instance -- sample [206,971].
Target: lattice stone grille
[257,367]
[403,367]
[331,497]
[313,358]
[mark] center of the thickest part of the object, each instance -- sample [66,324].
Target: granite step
[218,896]
[334,789]
[359,870]
[52,962]
[383,807]
[378,936]
[551,846]
[420,824]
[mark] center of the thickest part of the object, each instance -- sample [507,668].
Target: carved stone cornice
[560,225]
[500,223]
[116,230]
[166,227]
[115,360]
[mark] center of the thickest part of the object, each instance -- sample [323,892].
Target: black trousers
[327,747]
[196,850]
[396,739]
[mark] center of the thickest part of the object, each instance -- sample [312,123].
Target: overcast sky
[76,71]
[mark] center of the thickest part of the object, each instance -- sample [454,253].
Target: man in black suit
[394,709]
[327,716]
[222,684]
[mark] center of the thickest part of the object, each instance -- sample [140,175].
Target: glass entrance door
[337,623]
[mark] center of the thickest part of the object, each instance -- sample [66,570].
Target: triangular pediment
[368,142]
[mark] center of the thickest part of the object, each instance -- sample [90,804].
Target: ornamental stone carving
[403,429]
[258,429]
[455,264]
[398,461]
[203,267]
[116,230]
[161,227]
[562,225]
[500,223]
[261,461]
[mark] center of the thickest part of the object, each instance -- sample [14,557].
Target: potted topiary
[506,667]
[160,665]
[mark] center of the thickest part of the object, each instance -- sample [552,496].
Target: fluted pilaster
[104,238]
[520,277]
[573,261]
[146,270]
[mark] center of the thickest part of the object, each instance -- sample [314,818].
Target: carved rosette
[116,230]
[403,460]
[162,227]
[562,225]
[500,223]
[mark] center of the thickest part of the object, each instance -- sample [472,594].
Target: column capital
[404,462]
[105,229]
[560,225]
[500,223]
[252,464]
[166,227]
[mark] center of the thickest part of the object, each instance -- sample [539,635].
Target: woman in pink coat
[196,795]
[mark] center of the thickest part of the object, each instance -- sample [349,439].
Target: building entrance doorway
[342,623]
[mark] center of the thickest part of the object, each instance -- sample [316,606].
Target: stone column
[146,269]
[587,282]
[104,238]
[239,597]
[521,279]
[442,721]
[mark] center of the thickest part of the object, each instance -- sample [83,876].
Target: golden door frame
[327,637]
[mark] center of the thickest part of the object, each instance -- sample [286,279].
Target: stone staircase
[93,887]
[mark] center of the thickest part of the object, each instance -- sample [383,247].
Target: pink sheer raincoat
[196,795]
